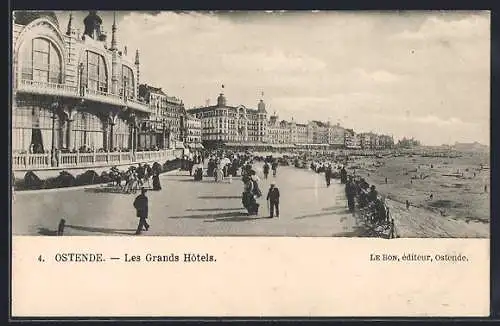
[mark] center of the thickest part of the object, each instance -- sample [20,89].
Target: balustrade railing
[47,88]
[26,161]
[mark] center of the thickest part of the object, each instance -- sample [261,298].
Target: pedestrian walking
[328,175]
[274,167]
[273,197]
[350,193]
[141,206]
[343,175]
[266,170]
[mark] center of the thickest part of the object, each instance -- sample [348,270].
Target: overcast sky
[418,74]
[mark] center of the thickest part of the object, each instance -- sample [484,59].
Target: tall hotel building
[71,90]
[223,124]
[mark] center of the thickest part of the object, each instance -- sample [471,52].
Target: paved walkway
[188,208]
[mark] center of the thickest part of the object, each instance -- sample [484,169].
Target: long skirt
[156,182]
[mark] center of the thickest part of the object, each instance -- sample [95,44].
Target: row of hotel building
[78,91]
[227,125]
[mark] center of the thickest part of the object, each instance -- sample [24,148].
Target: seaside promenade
[187,208]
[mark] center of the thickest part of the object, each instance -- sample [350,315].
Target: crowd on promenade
[224,166]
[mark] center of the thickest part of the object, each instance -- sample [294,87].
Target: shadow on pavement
[107,189]
[211,180]
[101,230]
[212,209]
[219,197]
[243,218]
[45,231]
[213,216]
[314,215]
[336,209]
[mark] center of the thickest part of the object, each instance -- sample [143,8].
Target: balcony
[26,161]
[54,89]
[44,88]
[138,105]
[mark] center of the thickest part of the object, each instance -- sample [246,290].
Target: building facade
[156,131]
[223,123]
[319,132]
[304,135]
[72,91]
[351,139]
[193,135]
[279,132]
[336,136]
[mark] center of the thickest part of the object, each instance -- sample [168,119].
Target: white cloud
[273,61]
[364,69]
[472,27]
[378,76]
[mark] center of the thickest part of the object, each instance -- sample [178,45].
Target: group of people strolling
[251,190]
[369,202]
[136,177]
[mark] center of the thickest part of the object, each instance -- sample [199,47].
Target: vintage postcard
[260,163]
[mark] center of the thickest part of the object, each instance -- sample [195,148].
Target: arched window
[88,131]
[121,134]
[32,125]
[127,82]
[41,61]
[95,73]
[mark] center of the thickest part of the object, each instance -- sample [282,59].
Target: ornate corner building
[75,92]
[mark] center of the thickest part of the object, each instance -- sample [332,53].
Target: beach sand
[459,208]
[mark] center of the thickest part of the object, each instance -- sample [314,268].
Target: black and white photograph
[251,123]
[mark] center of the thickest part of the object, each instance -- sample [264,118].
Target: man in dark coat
[266,170]
[351,194]
[328,175]
[274,167]
[373,194]
[343,175]
[141,206]
[273,196]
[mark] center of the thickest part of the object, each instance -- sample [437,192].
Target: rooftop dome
[221,100]
[26,17]
[261,107]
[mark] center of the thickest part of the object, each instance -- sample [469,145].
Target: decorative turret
[261,107]
[115,67]
[221,100]
[114,43]
[137,57]
[137,66]
[70,27]
[93,25]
